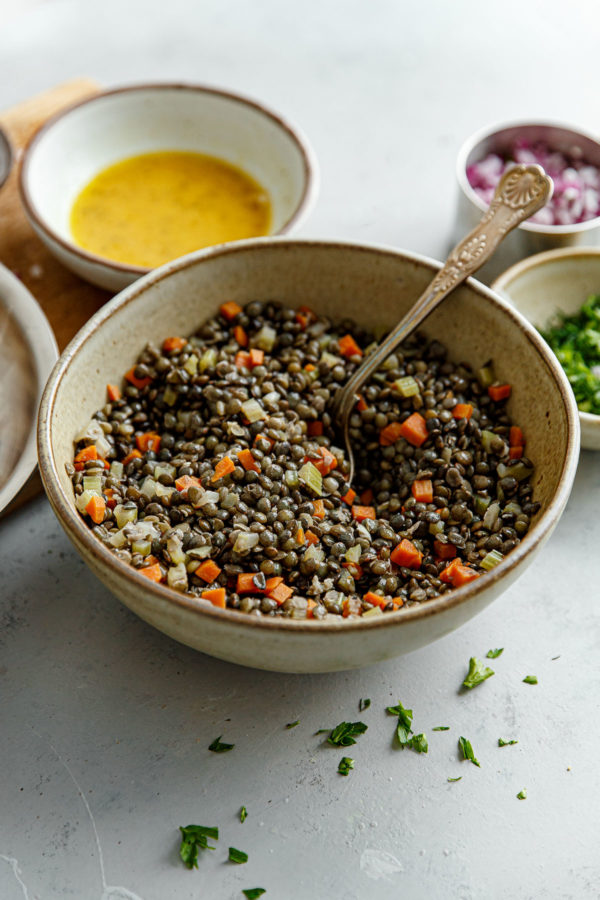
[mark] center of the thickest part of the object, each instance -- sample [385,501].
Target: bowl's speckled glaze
[373,285]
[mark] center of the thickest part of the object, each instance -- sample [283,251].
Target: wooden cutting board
[67,301]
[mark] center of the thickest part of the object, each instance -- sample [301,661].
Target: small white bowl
[71,148]
[553,282]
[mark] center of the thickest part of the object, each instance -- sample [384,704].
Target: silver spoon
[520,193]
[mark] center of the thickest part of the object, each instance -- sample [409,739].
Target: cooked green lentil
[281,512]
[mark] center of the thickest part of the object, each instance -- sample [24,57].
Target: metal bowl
[528,238]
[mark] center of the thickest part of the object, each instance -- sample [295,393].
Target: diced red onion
[576,195]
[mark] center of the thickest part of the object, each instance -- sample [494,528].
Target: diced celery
[116,469]
[208,360]
[481,504]
[491,515]
[118,539]
[486,440]
[253,411]
[170,395]
[407,387]
[310,476]
[486,376]
[92,483]
[125,514]
[436,527]
[175,550]
[520,471]
[177,577]
[315,552]
[353,554]
[142,547]
[373,612]
[491,560]
[82,500]
[191,364]
[265,338]
[329,359]
[291,478]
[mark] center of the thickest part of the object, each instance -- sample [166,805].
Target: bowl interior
[371,285]
[68,153]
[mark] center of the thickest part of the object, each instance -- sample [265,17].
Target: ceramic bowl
[6,157]
[552,282]
[375,286]
[71,148]
[529,237]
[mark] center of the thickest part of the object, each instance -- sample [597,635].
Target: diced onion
[177,577]
[245,541]
[265,338]
[92,483]
[310,476]
[353,554]
[191,364]
[253,411]
[125,514]
[208,360]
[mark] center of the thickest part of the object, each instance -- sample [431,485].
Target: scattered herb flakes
[419,743]
[502,743]
[194,838]
[477,673]
[494,654]
[363,704]
[346,763]
[442,728]
[218,747]
[454,779]
[345,733]
[237,856]
[467,751]
[405,717]
[522,795]
[555,657]
[530,679]
[293,724]
[253,893]
[322,731]
[243,814]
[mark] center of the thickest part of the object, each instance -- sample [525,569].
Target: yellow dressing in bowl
[148,209]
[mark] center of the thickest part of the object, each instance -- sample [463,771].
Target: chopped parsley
[293,724]
[345,733]
[467,751]
[194,838]
[218,747]
[502,743]
[243,814]
[253,893]
[494,654]
[363,704]
[576,342]
[323,731]
[522,795]
[237,856]
[454,779]
[419,743]
[477,673]
[405,717]
[530,679]
[346,763]
[442,728]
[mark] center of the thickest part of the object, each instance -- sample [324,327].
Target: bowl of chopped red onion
[570,156]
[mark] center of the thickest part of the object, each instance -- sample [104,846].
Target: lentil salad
[214,469]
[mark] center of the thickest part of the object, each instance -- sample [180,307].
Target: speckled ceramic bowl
[77,143]
[375,286]
[556,281]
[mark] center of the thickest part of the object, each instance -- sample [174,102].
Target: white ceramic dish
[28,351]
[375,286]
[552,282]
[75,145]
[6,157]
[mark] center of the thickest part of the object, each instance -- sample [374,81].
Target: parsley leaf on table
[253,893]
[237,856]
[502,743]
[467,751]
[477,673]
[346,763]
[405,717]
[530,679]
[442,728]
[194,838]
[494,654]
[363,704]
[522,795]
[293,724]
[218,747]
[243,814]
[345,733]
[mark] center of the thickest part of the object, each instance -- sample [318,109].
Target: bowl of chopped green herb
[559,292]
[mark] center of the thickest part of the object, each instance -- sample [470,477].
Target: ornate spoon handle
[521,192]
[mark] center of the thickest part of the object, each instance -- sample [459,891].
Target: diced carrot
[230,310]
[463,575]
[208,571]
[302,320]
[390,434]
[216,597]
[257,357]
[309,367]
[349,497]
[462,411]
[248,461]
[422,490]
[311,537]
[374,599]
[84,456]
[348,346]
[319,509]
[245,584]
[398,602]
[406,555]
[366,498]
[355,569]
[242,360]
[152,572]
[111,501]
[281,593]
[106,464]
[314,429]
[150,560]
[224,467]
[272,583]
[150,440]
[185,482]
[133,454]
[300,536]
[444,550]
[113,392]
[516,438]
[499,392]
[310,605]
[96,508]
[240,336]
[325,465]
[137,382]
[173,344]
[264,438]
[414,429]
[361,403]
[515,452]
[307,311]
[447,574]
[363,512]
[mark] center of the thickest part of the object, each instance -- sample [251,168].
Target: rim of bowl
[72,522]
[487,132]
[309,164]
[9,156]
[538,261]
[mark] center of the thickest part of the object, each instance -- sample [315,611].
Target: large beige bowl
[374,285]
[550,283]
